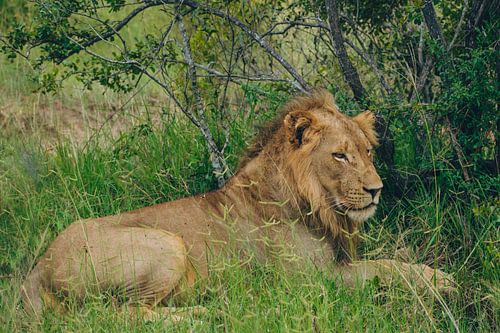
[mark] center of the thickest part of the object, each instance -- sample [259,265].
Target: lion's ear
[298,125]
[366,121]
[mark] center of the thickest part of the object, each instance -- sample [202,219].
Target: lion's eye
[340,156]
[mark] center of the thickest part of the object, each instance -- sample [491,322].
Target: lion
[312,165]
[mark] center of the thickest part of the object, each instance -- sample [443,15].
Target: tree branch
[321,25]
[422,78]
[459,25]
[236,78]
[301,83]
[304,86]
[432,22]
[350,73]
[109,33]
[474,21]
[369,60]
[218,162]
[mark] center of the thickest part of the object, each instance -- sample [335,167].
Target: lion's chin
[362,214]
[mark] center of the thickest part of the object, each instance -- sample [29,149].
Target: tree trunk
[350,73]
[432,22]
[386,149]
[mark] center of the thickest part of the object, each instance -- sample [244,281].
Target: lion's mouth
[354,213]
[349,208]
[364,208]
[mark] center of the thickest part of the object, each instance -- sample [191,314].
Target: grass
[42,192]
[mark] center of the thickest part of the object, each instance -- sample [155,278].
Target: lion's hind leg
[143,265]
[147,266]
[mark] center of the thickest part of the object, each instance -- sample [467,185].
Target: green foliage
[469,95]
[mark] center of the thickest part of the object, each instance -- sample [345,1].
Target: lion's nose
[373,191]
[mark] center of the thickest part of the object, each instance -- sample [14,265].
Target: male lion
[312,165]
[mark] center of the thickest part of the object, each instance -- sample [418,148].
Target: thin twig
[459,25]
[217,160]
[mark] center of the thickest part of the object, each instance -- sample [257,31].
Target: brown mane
[320,98]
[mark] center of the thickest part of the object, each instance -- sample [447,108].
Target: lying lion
[312,166]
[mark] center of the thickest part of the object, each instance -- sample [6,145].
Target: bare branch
[420,50]
[473,21]
[304,86]
[237,78]
[459,25]
[291,24]
[217,160]
[422,78]
[222,107]
[321,25]
[369,60]
[109,33]
[191,68]
[458,149]
[436,33]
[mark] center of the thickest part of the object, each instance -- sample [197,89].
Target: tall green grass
[43,192]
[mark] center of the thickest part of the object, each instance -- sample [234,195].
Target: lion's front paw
[431,278]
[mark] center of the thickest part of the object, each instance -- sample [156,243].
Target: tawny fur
[294,192]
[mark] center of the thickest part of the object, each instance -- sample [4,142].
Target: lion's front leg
[168,314]
[417,276]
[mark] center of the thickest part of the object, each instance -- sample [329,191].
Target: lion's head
[333,153]
[336,151]
[323,157]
